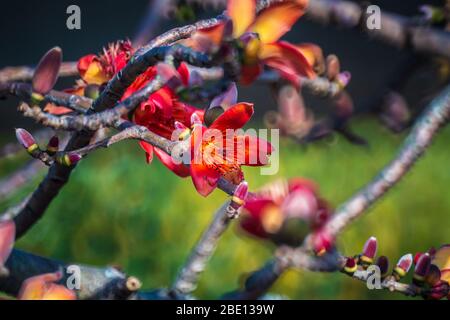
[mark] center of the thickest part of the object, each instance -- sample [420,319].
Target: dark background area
[29,28]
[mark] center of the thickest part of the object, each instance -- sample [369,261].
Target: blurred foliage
[118,210]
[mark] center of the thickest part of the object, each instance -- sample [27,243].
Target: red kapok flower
[98,69]
[286,211]
[44,287]
[221,149]
[259,35]
[161,111]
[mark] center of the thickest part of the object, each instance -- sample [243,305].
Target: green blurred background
[119,210]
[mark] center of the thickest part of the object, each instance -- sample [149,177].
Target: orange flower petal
[313,54]
[43,287]
[95,74]
[242,13]
[204,179]
[286,60]
[275,21]
[7,237]
[179,169]
[234,118]
[58,292]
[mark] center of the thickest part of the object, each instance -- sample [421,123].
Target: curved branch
[434,117]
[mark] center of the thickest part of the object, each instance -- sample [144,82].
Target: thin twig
[434,117]
[396,30]
[187,279]
[19,178]
[23,73]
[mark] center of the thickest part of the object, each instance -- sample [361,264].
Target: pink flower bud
[240,194]
[333,66]
[422,268]
[403,265]
[26,140]
[70,159]
[47,71]
[369,251]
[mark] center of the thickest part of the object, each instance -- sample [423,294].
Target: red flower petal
[286,60]
[179,169]
[234,118]
[148,148]
[204,179]
[250,72]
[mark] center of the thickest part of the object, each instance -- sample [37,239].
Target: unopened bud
[333,67]
[26,140]
[433,276]
[403,266]
[92,91]
[369,252]
[383,264]
[350,266]
[52,146]
[421,269]
[69,159]
[47,71]
[240,194]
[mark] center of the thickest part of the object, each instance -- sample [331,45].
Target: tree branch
[186,280]
[395,30]
[434,117]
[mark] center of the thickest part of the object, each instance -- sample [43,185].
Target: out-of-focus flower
[259,35]
[44,287]
[95,70]
[7,236]
[98,69]
[441,259]
[286,211]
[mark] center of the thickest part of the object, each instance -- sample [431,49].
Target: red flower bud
[322,242]
[52,146]
[421,269]
[350,266]
[240,194]
[69,159]
[369,251]
[383,264]
[403,266]
[26,140]
[46,72]
[417,256]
